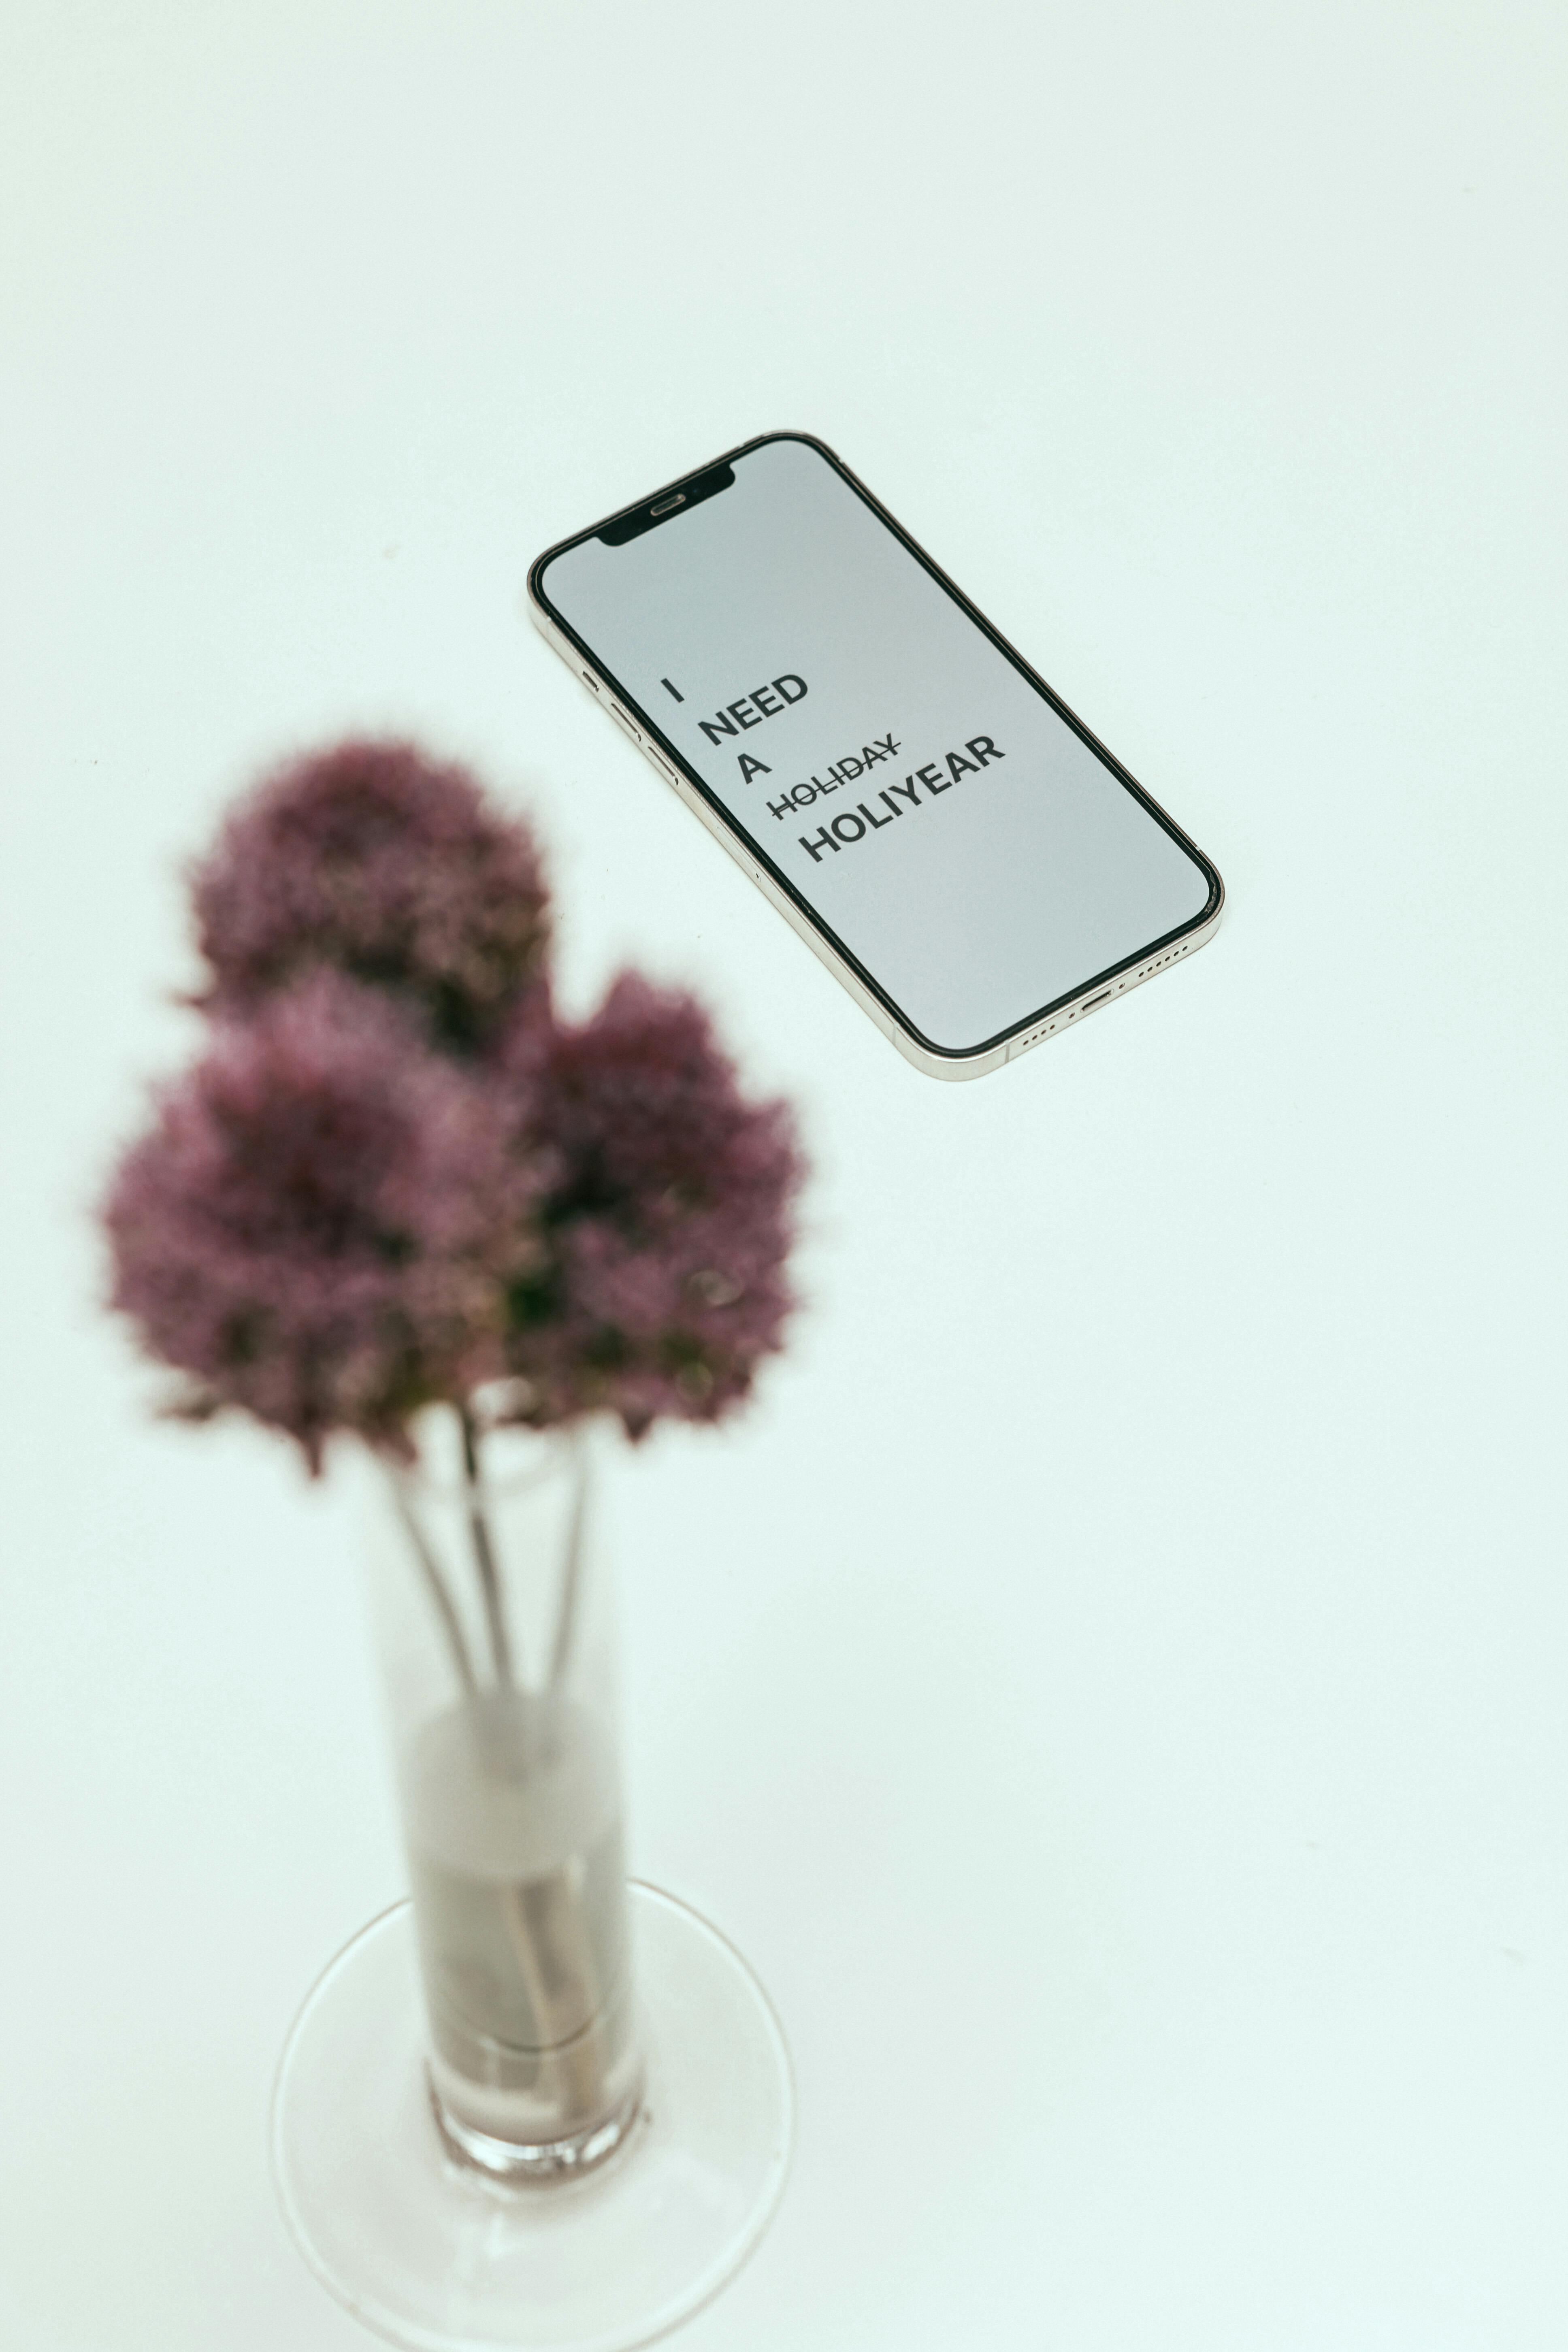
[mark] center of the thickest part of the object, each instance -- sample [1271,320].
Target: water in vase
[518,1885]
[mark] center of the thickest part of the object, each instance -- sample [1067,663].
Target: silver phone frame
[932,1061]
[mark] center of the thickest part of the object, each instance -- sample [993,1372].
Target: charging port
[1094,1000]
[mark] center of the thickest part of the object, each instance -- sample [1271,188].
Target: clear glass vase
[536,2104]
[495,1621]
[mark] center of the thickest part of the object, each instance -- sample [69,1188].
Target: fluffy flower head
[395,1178]
[323,1223]
[667,1221]
[374,857]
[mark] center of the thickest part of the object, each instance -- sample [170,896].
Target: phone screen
[919,792]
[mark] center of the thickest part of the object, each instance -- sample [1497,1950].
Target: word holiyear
[853,825]
[770,701]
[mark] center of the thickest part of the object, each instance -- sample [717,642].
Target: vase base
[431,2249]
[561,2160]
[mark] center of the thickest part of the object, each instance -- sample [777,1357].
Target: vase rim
[528,1456]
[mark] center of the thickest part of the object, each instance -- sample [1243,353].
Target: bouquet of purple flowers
[397,1177]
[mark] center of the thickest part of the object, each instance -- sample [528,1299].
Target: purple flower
[667,1221]
[395,1178]
[322,1224]
[376,859]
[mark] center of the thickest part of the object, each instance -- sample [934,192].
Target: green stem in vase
[571,1574]
[451,1629]
[484,1555]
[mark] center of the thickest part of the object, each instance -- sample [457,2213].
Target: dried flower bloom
[322,1224]
[395,1179]
[390,865]
[667,1220]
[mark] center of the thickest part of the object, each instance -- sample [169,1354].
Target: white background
[1113,1684]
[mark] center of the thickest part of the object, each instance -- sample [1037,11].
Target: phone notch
[675,498]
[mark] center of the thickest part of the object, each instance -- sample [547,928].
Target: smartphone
[962,852]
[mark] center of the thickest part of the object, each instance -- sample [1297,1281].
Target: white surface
[1113,1687]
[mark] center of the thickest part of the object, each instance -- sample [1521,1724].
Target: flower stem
[571,1574]
[450,1626]
[484,1554]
